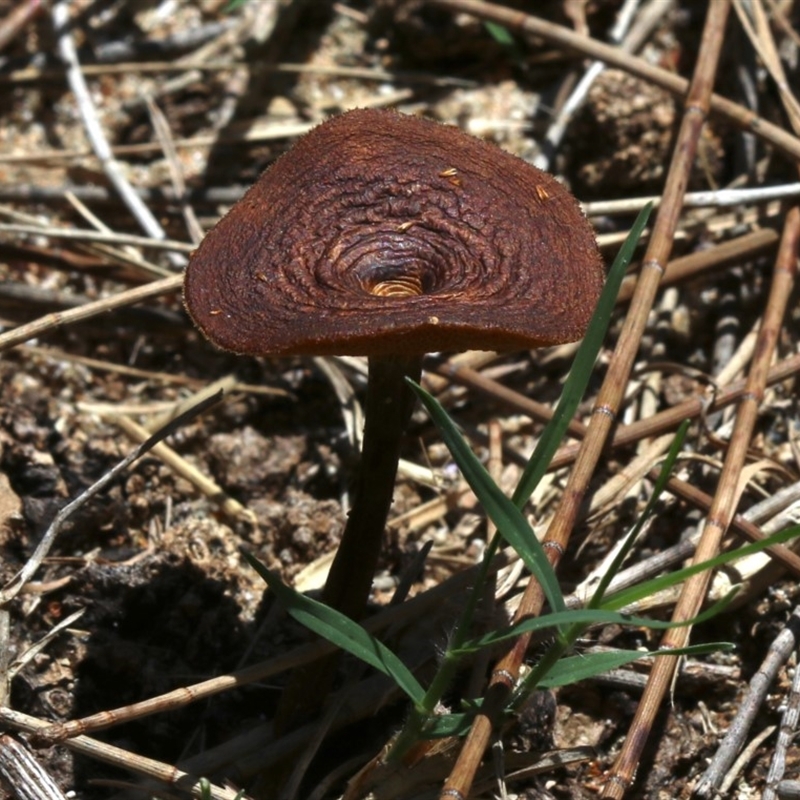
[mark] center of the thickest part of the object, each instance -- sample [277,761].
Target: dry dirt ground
[153,561]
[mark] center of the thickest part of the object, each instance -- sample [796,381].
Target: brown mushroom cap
[382,234]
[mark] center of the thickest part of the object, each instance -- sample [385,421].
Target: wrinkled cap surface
[380,234]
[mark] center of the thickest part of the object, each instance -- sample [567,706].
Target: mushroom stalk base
[388,409]
[389,404]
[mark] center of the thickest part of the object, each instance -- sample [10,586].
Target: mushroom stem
[388,409]
[389,405]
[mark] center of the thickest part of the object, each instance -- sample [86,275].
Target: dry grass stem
[609,398]
[34,74]
[722,509]
[61,318]
[69,54]
[167,775]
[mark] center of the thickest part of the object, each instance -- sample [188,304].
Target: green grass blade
[510,522]
[446,725]
[636,593]
[578,668]
[587,616]
[499,33]
[341,631]
[505,514]
[582,366]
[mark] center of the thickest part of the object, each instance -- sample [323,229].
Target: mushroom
[392,236]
